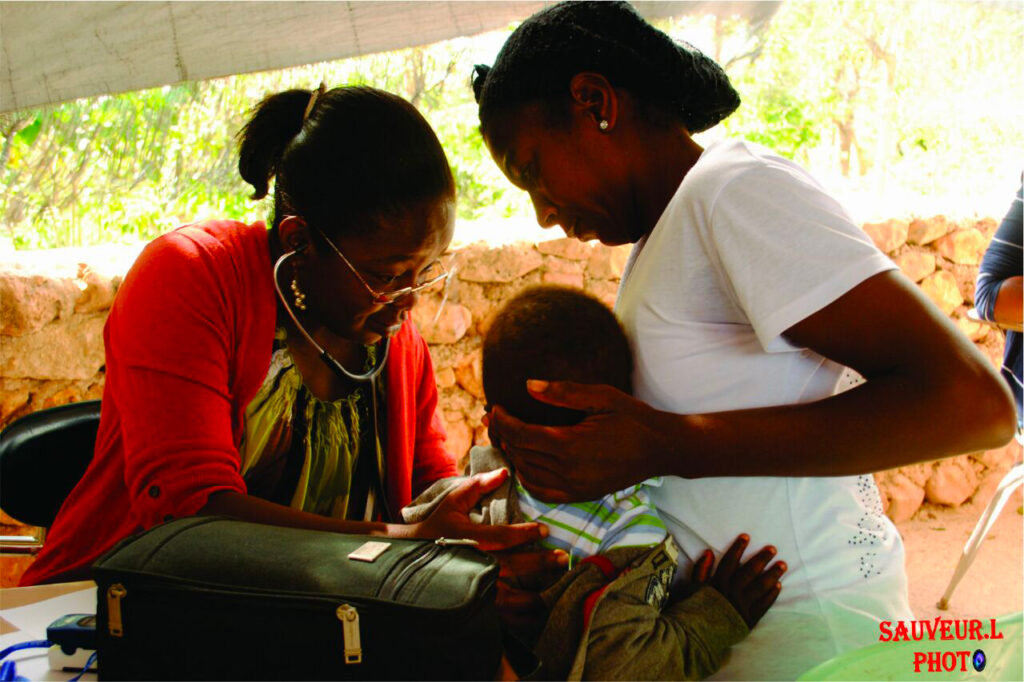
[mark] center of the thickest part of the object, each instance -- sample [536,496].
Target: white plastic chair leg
[1011,481]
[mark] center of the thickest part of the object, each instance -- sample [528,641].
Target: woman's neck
[670,156]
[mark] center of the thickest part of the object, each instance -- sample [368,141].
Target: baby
[615,614]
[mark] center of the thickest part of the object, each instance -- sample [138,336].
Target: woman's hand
[524,575]
[451,518]
[749,587]
[614,447]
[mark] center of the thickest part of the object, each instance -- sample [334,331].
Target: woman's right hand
[451,517]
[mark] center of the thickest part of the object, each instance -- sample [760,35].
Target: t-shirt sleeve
[1001,261]
[785,249]
[169,343]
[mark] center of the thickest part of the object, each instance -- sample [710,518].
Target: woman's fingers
[466,496]
[530,567]
[590,398]
[494,538]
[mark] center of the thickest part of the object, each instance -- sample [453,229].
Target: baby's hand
[749,587]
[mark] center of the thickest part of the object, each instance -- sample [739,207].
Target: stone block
[97,290]
[565,279]
[460,437]
[449,326]
[445,377]
[916,265]
[504,264]
[889,235]
[27,302]
[573,249]
[942,289]
[952,481]
[608,262]
[481,437]
[975,331]
[926,230]
[64,349]
[604,290]
[964,247]
[469,374]
[904,496]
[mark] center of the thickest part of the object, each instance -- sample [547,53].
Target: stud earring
[603,125]
[300,298]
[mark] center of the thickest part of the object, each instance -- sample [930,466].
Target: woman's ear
[294,234]
[595,97]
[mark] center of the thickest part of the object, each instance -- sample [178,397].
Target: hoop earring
[300,298]
[603,125]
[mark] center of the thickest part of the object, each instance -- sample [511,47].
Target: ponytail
[275,122]
[343,157]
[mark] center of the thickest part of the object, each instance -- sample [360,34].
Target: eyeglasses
[434,275]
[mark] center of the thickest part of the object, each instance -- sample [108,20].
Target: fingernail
[544,532]
[561,558]
[771,550]
[537,385]
[744,537]
[782,566]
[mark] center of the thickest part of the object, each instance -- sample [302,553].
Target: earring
[603,125]
[300,298]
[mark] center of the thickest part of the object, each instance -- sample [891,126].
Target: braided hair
[549,48]
[342,158]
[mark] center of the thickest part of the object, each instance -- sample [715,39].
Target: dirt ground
[993,585]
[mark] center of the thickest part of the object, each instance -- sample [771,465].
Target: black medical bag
[219,599]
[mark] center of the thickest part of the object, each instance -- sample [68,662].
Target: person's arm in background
[997,296]
[922,376]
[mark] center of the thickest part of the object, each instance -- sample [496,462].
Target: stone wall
[52,309]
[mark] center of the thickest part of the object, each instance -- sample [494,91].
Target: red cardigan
[188,343]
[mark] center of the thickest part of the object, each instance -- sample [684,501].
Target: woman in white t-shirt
[748,292]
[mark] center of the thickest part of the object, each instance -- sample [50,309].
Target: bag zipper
[349,617]
[115,593]
[393,586]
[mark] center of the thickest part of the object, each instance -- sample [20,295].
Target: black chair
[42,456]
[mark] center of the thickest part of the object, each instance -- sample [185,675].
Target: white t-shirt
[750,245]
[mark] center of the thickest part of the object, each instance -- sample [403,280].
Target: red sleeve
[170,345]
[432,460]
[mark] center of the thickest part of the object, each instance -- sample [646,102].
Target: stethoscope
[370,377]
[335,366]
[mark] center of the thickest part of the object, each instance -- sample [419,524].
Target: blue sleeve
[1002,260]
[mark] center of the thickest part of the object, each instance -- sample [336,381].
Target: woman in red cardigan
[273,375]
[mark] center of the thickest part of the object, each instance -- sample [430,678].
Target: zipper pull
[114,595]
[349,618]
[455,542]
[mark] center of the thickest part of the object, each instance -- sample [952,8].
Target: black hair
[359,154]
[540,58]
[555,333]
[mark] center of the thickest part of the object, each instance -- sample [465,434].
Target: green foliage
[918,97]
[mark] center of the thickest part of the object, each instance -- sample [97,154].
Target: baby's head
[555,333]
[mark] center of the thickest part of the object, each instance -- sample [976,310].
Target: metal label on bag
[369,551]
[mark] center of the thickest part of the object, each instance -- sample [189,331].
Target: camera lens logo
[978,660]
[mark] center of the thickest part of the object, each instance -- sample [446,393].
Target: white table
[25,612]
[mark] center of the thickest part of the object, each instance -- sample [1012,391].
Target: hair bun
[480,72]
